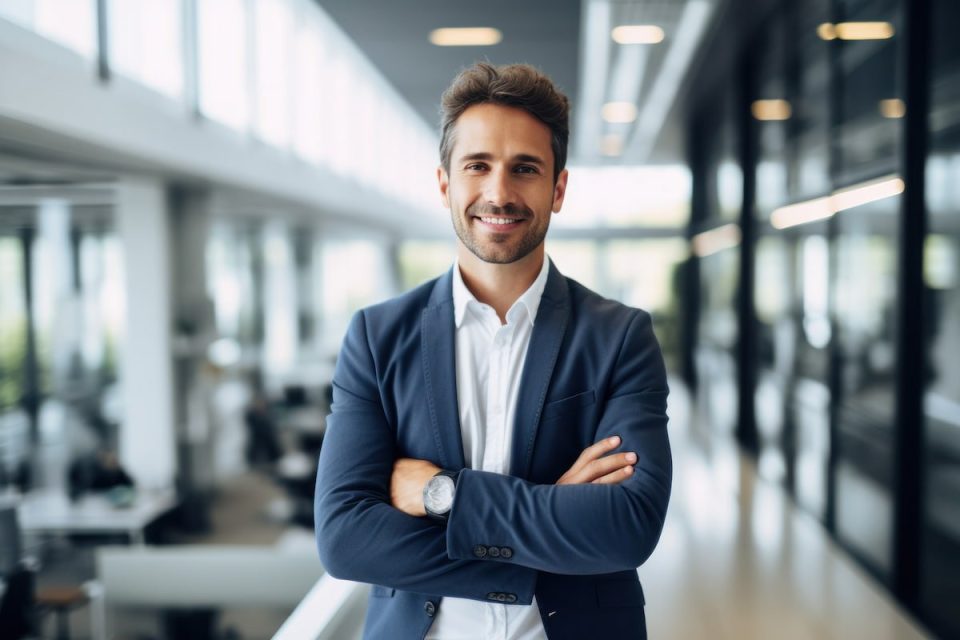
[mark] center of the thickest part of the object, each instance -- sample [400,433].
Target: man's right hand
[595,467]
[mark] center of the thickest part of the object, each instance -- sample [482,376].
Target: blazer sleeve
[586,528]
[360,535]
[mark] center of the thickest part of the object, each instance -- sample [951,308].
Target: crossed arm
[594,466]
[591,521]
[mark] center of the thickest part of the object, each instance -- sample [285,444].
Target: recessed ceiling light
[637,34]
[611,145]
[776,109]
[893,108]
[619,112]
[466,37]
[856,31]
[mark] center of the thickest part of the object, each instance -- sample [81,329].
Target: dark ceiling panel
[393,34]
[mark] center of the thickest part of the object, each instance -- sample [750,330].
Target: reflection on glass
[867,141]
[864,302]
[774,352]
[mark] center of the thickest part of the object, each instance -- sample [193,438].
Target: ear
[444,181]
[559,191]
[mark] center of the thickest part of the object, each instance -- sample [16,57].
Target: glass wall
[61,333]
[940,589]
[864,284]
[717,249]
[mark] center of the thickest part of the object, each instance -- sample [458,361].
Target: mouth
[499,223]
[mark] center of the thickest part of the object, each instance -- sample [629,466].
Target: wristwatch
[438,495]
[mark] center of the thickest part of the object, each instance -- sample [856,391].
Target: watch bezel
[443,477]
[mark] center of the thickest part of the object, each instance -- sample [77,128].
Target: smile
[502,221]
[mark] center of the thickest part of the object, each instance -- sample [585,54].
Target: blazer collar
[548,331]
[438,350]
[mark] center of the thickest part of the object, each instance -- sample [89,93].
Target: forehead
[501,130]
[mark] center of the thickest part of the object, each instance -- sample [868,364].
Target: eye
[527,169]
[475,166]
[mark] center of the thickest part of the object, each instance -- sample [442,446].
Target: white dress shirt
[490,359]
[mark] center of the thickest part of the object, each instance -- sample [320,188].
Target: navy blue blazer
[593,369]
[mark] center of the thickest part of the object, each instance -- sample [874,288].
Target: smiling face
[500,188]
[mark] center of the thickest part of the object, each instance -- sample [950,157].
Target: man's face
[500,188]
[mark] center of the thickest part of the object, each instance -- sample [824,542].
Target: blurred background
[195,196]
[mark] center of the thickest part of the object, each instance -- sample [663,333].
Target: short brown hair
[512,85]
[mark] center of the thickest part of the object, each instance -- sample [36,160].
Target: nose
[498,190]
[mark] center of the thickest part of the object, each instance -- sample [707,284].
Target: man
[496,462]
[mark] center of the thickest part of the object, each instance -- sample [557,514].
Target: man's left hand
[407,482]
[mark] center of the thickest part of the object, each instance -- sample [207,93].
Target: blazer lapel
[439,351]
[548,331]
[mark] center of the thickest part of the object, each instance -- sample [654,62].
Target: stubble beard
[496,248]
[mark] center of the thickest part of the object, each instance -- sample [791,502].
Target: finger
[605,465]
[597,449]
[615,477]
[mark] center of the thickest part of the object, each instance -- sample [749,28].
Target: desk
[51,512]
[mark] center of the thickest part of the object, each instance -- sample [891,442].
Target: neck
[499,285]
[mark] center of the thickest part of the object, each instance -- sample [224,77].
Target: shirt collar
[528,302]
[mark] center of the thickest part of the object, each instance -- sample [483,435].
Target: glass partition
[940,587]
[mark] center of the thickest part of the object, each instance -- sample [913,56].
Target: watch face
[438,494]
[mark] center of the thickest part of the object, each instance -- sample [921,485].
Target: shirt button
[430,608]
[506,552]
[493,552]
[480,551]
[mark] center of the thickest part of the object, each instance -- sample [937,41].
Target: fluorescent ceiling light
[856,31]
[841,200]
[619,112]
[466,37]
[637,34]
[716,240]
[893,108]
[771,109]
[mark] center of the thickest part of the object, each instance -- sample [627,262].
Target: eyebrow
[522,157]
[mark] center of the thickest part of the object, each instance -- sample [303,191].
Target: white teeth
[499,220]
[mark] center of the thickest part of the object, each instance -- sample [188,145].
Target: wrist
[438,494]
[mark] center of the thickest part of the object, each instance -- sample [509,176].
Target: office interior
[196,195]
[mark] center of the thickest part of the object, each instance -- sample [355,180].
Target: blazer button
[430,608]
[501,597]
[493,552]
[511,597]
[491,596]
[506,552]
[480,551]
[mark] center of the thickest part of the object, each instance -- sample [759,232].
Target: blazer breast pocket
[569,407]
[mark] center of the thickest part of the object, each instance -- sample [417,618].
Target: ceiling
[569,40]
[394,35]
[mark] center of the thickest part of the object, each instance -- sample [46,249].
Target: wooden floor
[738,561]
